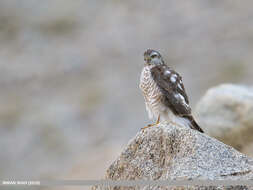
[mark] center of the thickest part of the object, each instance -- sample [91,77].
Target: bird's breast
[150,89]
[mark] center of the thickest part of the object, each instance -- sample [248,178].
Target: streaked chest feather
[151,91]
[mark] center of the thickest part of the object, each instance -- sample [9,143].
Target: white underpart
[152,96]
[173,78]
[176,119]
[151,93]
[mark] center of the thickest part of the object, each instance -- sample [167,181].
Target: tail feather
[194,125]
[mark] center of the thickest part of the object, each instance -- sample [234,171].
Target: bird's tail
[194,125]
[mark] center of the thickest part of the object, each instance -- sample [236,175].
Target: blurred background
[69,74]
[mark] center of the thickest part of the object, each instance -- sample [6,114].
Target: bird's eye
[153,56]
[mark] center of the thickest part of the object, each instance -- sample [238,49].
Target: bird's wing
[170,83]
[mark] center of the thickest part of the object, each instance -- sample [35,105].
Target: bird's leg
[151,125]
[158,120]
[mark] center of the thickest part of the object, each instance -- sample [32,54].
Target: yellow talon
[151,125]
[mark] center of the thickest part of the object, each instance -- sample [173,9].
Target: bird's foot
[151,125]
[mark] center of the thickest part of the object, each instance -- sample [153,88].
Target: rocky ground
[170,152]
[69,73]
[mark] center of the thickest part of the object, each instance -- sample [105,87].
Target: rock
[226,112]
[176,152]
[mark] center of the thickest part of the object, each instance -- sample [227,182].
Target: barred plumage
[151,93]
[164,92]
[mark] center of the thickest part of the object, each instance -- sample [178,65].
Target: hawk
[164,92]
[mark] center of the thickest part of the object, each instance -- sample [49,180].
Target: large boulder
[171,152]
[226,113]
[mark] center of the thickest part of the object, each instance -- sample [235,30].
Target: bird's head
[152,57]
